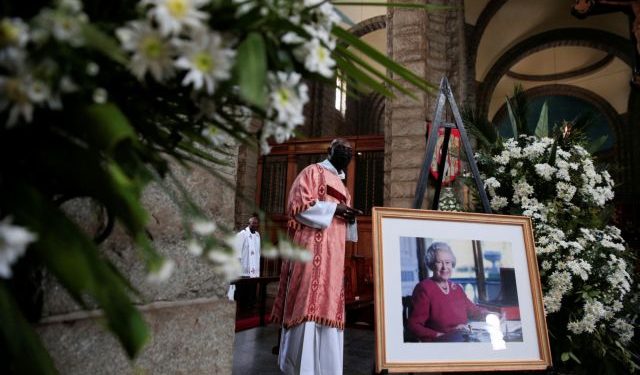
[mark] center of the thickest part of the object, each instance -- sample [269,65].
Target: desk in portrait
[479,331]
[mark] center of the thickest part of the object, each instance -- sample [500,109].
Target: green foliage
[84,114]
[251,69]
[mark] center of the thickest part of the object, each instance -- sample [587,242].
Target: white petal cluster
[14,240]
[618,276]
[287,250]
[206,60]
[594,311]
[174,16]
[498,202]
[491,184]
[565,191]
[200,231]
[448,200]
[162,272]
[559,284]
[521,190]
[545,171]
[287,97]
[315,49]
[624,330]
[225,263]
[579,267]
[203,227]
[151,52]
[63,23]
[578,264]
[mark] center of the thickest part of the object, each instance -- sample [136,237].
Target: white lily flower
[287,98]
[13,32]
[317,58]
[270,252]
[225,264]
[194,247]
[161,273]
[203,227]
[14,92]
[327,15]
[215,135]
[292,38]
[100,95]
[38,91]
[206,60]
[14,240]
[151,52]
[173,16]
[67,28]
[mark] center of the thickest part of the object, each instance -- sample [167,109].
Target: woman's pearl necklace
[445,289]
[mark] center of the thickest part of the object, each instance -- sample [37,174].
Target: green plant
[98,99]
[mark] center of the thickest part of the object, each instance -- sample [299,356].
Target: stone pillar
[432,46]
[191,322]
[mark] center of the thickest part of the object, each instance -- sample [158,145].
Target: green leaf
[349,69]
[347,21]
[574,357]
[96,39]
[84,172]
[397,5]
[595,146]
[25,351]
[542,128]
[512,120]
[393,67]
[350,56]
[103,126]
[74,260]
[553,153]
[520,109]
[251,69]
[564,356]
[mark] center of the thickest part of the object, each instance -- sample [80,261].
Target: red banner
[452,163]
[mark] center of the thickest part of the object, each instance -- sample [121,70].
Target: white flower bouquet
[590,296]
[99,97]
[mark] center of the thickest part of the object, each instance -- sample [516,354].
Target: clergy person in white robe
[247,247]
[249,240]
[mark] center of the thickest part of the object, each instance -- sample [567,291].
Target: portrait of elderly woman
[441,309]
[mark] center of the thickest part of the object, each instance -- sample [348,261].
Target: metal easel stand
[432,139]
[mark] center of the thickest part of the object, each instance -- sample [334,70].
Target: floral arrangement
[99,98]
[448,200]
[590,297]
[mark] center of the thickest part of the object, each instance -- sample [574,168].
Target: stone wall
[432,46]
[191,320]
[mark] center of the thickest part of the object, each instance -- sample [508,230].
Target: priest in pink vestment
[310,300]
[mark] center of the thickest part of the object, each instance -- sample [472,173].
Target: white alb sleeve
[319,215]
[352,232]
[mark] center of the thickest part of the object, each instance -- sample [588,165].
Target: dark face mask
[340,157]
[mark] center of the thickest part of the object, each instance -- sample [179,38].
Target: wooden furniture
[259,284]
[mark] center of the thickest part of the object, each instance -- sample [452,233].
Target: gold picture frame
[495,270]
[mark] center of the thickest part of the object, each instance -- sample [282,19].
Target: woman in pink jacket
[440,307]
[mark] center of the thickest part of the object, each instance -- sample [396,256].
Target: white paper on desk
[505,326]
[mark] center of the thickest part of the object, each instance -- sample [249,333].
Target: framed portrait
[456,292]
